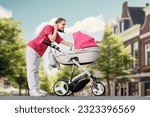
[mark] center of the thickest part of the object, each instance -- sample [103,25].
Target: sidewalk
[75,98]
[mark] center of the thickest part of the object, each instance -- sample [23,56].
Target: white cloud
[90,25]
[39,27]
[4,13]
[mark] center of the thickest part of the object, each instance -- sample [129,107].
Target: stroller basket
[85,56]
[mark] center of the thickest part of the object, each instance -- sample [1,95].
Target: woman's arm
[65,43]
[53,36]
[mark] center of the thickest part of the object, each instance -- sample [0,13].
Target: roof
[137,15]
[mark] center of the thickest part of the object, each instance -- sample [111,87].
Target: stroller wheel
[61,88]
[69,93]
[98,89]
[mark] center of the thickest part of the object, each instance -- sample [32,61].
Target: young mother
[35,50]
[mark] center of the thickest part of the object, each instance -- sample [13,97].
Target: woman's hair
[59,20]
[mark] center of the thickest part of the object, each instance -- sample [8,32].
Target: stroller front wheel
[69,93]
[61,88]
[98,89]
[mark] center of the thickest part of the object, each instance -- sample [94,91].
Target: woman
[35,50]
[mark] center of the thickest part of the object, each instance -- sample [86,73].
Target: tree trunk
[19,89]
[108,84]
[27,92]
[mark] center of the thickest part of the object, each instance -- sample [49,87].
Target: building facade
[134,27]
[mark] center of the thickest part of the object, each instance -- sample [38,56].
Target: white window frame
[130,51]
[122,25]
[129,47]
[118,29]
[146,50]
[135,47]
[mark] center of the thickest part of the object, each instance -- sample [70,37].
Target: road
[75,98]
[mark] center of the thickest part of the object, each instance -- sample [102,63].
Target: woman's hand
[53,36]
[55,27]
[67,44]
[70,46]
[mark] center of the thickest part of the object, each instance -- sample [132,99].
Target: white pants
[32,65]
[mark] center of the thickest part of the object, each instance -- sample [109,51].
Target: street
[75,98]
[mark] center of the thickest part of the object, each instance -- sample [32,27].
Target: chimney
[147,4]
[125,4]
[147,9]
[125,10]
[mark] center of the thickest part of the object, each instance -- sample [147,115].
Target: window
[147,54]
[133,89]
[129,47]
[148,57]
[149,26]
[120,26]
[129,65]
[115,29]
[126,24]
[135,54]
[147,89]
[6,82]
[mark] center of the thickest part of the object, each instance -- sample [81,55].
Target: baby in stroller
[85,52]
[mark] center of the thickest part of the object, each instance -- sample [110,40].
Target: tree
[19,68]
[46,83]
[113,57]
[64,73]
[12,53]
[8,35]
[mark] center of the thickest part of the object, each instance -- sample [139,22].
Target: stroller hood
[82,40]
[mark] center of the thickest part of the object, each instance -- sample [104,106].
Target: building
[6,88]
[134,27]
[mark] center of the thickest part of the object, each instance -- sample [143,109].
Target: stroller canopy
[82,40]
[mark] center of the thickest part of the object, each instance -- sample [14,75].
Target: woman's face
[61,26]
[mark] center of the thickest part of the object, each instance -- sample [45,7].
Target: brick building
[134,27]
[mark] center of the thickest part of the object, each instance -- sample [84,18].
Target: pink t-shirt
[37,43]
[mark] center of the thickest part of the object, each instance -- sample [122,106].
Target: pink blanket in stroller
[82,40]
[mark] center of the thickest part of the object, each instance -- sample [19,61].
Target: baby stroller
[86,51]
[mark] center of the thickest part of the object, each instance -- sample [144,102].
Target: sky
[89,16]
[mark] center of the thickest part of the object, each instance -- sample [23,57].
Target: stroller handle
[51,45]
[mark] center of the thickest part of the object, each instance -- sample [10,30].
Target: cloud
[4,13]
[90,24]
[41,26]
